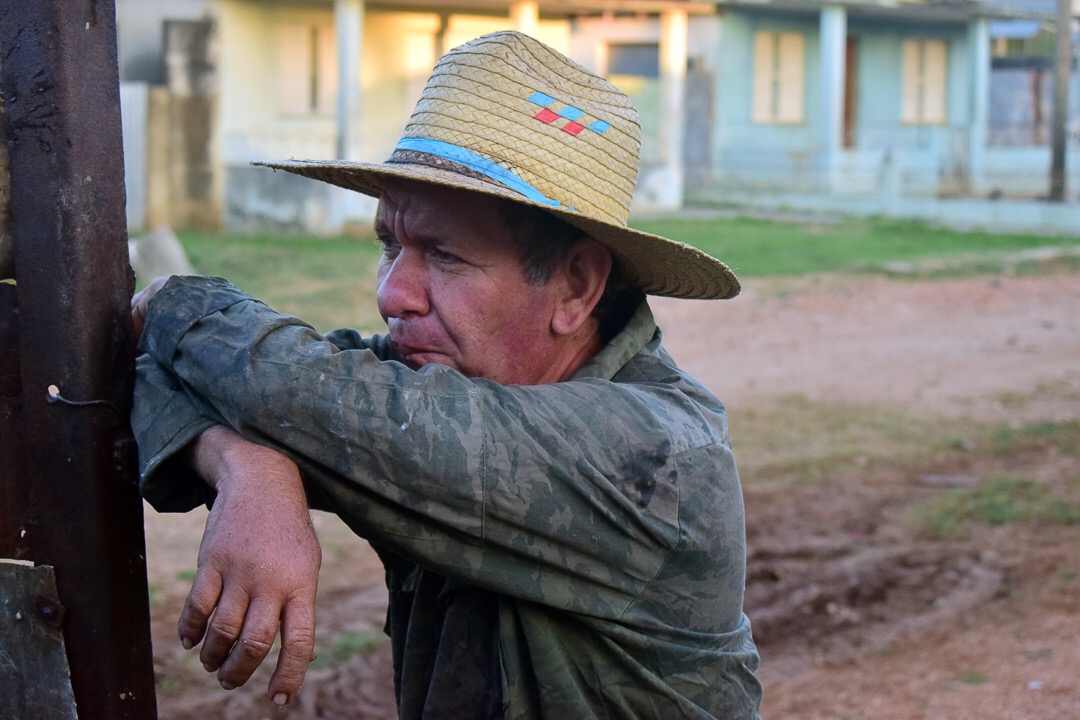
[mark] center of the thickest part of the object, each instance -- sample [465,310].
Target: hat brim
[655,264]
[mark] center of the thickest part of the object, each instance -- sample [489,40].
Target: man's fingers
[198,607]
[253,644]
[224,628]
[297,648]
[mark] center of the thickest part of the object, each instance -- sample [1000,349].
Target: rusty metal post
[58,74]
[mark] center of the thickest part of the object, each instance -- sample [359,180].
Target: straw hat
[506,115]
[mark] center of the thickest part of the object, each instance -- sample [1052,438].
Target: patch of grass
[328,282]
[797,440]
[803,441]
[1038,436]
[1066,263]
[1010,398]
[755,247]
[187,576]
[959,444]
[168,684]
[973,677]
[998,501]
[348,643]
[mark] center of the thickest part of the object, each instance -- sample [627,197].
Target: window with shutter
[778,82]
[307,69]
[923,82]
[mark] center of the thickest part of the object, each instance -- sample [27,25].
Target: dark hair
[544,241]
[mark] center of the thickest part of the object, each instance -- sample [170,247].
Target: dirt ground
[857,613]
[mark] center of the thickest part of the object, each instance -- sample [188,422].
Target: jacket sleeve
[166,419]
[567,494]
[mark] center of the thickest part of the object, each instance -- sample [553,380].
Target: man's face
[451,287]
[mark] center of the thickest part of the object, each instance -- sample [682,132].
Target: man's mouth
[416,356]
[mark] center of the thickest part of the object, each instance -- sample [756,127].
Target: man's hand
[140,300]
[258,566]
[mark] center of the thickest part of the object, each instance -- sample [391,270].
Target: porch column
[349,25]
[673,49]
[833,30]
[349,28]
[979,57]
[525,16]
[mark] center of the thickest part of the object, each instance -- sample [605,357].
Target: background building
[859,102]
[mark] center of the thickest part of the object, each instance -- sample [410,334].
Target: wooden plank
[35,683]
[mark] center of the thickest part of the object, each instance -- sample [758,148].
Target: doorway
[851,85]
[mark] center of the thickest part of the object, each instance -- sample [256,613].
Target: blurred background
[871,107]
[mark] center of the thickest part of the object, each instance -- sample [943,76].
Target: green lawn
[330,281]
[754,247]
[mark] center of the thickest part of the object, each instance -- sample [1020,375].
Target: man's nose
[403,286]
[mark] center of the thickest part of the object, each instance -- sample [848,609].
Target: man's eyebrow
[384,231]
[381,228]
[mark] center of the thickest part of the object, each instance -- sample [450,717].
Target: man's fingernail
[186,642]
[281,699]
[227,685]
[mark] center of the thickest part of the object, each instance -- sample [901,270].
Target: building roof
[914,9]
[549,8]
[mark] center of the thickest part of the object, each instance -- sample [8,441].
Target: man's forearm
[221,458]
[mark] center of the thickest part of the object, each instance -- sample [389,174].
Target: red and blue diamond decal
[568,118]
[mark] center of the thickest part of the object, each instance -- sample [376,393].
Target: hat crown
[516,112]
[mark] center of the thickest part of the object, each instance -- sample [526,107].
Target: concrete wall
[167,101]
[170,161]
[398,51]
[139,34]
[250,126]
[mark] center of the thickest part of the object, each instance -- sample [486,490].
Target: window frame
[924,69]
[307,78]
[778,94]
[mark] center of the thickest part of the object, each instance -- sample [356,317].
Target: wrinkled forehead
[414,205]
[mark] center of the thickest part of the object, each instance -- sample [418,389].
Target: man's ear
[582,276]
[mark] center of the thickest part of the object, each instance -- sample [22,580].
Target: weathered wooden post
[70,509]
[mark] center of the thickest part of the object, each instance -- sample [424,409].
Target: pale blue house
[884,99]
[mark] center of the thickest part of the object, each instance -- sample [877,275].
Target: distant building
[242,80]
[910,98]
[899,98]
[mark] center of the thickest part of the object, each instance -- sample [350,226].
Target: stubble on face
[452,289]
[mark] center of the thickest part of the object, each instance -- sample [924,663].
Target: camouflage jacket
[572,550]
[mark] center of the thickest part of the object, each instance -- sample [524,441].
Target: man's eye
[390,246]
[442,256]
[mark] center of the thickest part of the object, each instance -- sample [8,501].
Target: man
[555,502]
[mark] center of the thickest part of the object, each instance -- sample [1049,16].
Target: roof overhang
[918,10]
[548,8]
